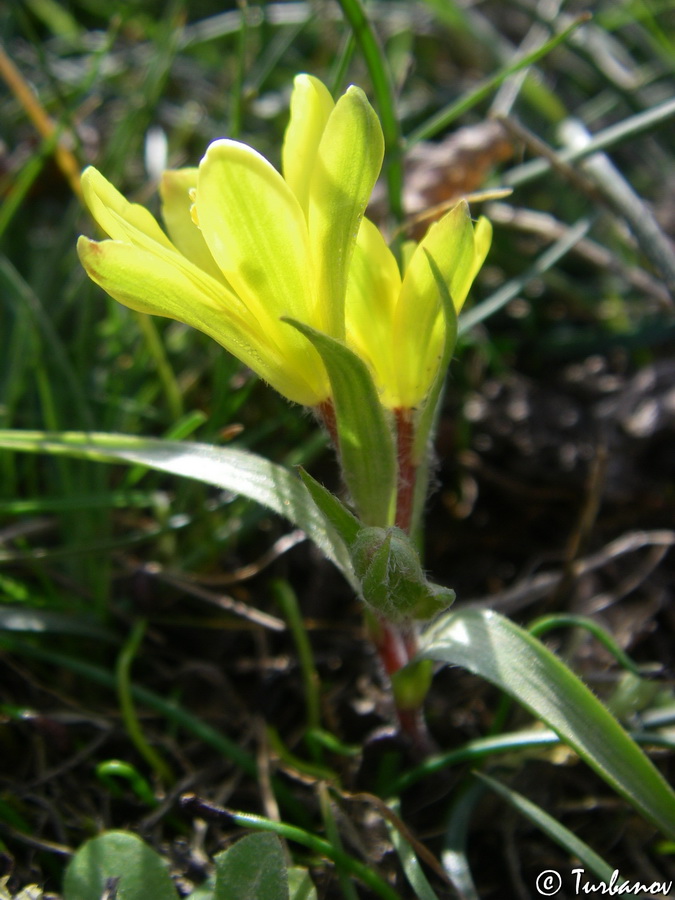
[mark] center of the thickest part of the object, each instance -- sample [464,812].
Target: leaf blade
[493,647]
[252,869]
[239,471]
[118,855]
[366,442]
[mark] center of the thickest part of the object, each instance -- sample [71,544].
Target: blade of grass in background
[440,121]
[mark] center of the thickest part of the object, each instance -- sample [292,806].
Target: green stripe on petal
[348,163]
[256,232]
[167,284]
[311,105]
[119,219]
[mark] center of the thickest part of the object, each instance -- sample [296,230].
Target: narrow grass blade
[454,854]
[378,69]
[411,866]
[548,623]
[608,137]
[42,621]
[128,709]
[550,826]
[450,113]
[512,288]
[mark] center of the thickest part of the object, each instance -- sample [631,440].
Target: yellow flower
[248,247]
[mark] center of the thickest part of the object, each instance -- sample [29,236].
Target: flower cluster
[247,248]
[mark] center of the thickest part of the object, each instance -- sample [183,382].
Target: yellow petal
[419,330]
[311,105]
[349,160]
[119,219]
[174,189]
[483,239]
[256,231]
[169,285]
[373,287]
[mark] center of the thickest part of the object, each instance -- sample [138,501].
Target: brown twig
[45,126]
[535,587]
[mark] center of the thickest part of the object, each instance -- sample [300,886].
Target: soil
[553,494]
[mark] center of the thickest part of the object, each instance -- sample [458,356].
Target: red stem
[407,468]
[396,644]
[326,411]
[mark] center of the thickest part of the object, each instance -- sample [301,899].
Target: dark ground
[554,494]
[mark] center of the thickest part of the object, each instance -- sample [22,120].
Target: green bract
[392,580]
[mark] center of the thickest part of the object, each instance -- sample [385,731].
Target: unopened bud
[392,580]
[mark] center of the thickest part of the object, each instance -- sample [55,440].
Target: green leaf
[320,847]
[385,94]
[550,826]
[300,884]
[239,471]
[392,580]
[118,854]
[493,647]
[252,869]
[346,524]
[366,443]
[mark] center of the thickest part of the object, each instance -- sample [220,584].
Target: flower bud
[392,581]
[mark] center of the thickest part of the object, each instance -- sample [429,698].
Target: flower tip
[86,177]
[88,251]
[356,93]
[303,81]
[90,175]
[224,148]
[96,187]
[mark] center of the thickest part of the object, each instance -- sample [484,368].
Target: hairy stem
[407,469]
[326,412]
[396,643]
[396,646]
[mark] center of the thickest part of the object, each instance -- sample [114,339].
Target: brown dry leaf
[439,173]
